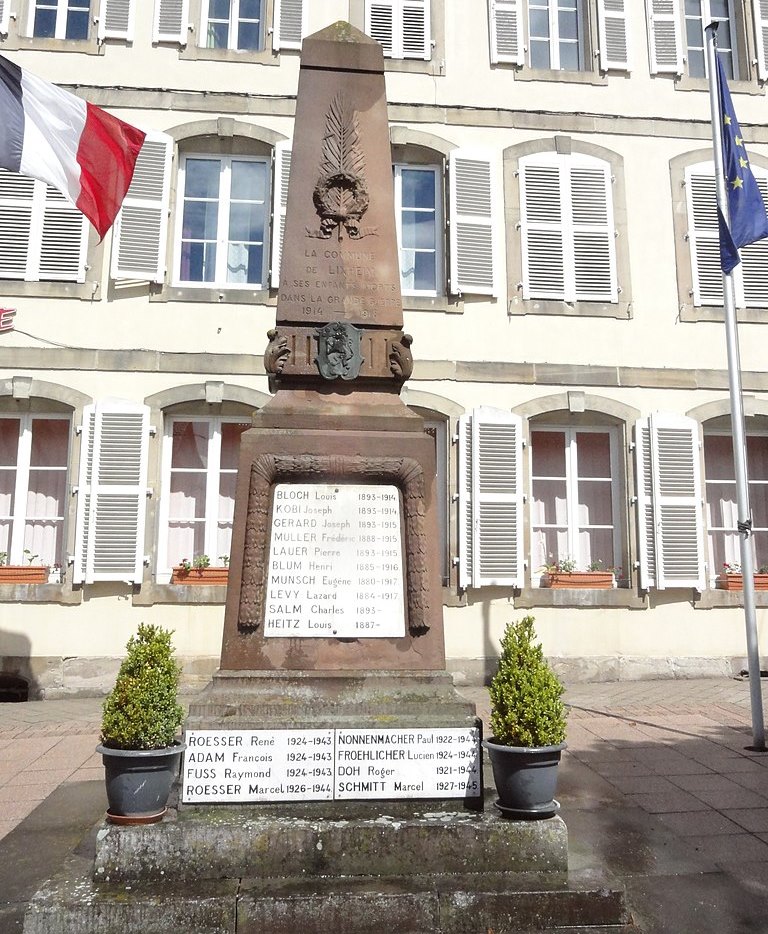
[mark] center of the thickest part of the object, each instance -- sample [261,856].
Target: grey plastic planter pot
[139,782]
[525,778]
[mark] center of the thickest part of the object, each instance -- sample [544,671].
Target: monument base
[240,700]
[351,868]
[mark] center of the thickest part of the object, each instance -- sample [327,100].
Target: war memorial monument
[333,777]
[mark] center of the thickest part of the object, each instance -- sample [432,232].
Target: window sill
[196,53]
[417,66]
[180,594]
[717,599]
[525,73]
[82,290]
[684,83]
[548,306]
[83,46]
[692,313]
[451,304]
[530,597]
[213,296]
[62,594]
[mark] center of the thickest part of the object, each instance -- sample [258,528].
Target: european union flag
[746,210]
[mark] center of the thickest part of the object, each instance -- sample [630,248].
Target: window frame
[437,172]
[223,216]
[62,19]
[572,479]
[516,302]
[554,40]
[19,515]
[213,474]
[233,22]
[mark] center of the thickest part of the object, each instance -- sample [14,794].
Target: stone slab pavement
[657,788]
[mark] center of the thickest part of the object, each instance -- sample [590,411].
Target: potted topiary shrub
[527,726]
[140,719]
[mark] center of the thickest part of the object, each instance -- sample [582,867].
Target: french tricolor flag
[80,149]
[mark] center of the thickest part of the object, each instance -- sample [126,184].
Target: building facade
[560,274]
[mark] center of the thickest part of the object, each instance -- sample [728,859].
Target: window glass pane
[418,230]
[190,445]
[721,501]
[568,24]
[594,454]
[185,540]
[230,443]
[245,263]
[718,457]
[218,35]
[694,32]
[42,543]
[595,505]
[187,500]
[250,9]
[77,25]
[9,441]
[218,9]
[45,496]
[596,545]
[45,23]
[200,220]
[757,457]
[718,9]
[418,188]
[50,442]
[198,262]
[569,56]
[249,181]
[424,273]
[248,36]
[693,7]
[246,222]
[758,501]
[201,178]
[7,489]
[549,502]
[540,57]
[548,453]
[539,20]
[760,542]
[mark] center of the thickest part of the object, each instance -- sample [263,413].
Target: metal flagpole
[744,516]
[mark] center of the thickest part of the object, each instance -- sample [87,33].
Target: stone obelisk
[334,606]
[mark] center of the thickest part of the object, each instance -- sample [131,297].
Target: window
[567,228]
[230,26]
[420,195]
[722,511]
[42,236]
[401,26]
[676,36]
[223,213]
[34,454]
[559,35]
[574,497]
[60,19]
[233,24]
[418,213]
[703,240]
[200,460]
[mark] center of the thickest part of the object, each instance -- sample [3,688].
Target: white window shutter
[140,236]
[5,16]
[416,33]
[505,31]
[473,222]
[116,19]
[171,21]
[760,17]
[380,24]
[289,24]
[612,25]
[466,522]
[64,242]
[490,499]
[111,508]
[703,236]
[594,245]
[541,228]
[670,520]
[664,39]
[279,204]
[752,282]
[16,224]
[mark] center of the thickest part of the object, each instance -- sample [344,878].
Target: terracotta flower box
[180,575]
[23,574]
[736,582]
[596,580]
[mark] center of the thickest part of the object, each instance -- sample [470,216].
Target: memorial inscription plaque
[335,565]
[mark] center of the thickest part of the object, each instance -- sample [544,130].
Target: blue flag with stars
[746,210]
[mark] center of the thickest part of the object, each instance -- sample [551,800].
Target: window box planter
[23,574]
[181,575]
[595,580]
[736,582]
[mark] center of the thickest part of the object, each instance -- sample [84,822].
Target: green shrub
[141,712]
[526,705]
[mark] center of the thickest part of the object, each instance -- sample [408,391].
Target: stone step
[328,839]
[503,903]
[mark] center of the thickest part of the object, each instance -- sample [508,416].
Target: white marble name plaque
[225,766]
[335,565]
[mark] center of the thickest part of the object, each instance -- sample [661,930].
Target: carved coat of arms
[338,350]
[341,193]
